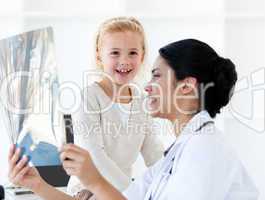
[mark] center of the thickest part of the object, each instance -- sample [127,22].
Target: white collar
[196,123]
[193,127]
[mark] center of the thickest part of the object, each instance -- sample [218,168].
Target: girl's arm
[107,167]
[88,135]
[152,149]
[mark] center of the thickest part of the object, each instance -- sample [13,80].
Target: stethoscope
[168,170]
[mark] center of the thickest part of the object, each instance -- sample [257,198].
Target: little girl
[111,123]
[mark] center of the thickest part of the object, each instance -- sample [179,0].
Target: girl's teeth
[124,70]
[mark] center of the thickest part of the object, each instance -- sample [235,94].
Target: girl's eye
[133,53]
[114,53]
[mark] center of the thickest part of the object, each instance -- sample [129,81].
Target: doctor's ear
[188,85]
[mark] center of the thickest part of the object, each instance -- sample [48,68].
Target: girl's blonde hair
[119,24]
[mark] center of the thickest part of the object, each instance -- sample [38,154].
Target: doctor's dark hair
[193,58]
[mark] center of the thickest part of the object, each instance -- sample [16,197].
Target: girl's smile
[121,55]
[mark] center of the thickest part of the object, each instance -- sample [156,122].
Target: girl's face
[121,54]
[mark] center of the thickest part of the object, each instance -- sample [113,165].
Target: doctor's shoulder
[210,144]
[211,153]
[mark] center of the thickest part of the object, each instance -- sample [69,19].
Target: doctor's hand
[77,162]
[20,173]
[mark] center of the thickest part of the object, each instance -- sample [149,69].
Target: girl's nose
[124,60]
[124,65]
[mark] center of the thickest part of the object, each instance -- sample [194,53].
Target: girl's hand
[77,162]
[20,173]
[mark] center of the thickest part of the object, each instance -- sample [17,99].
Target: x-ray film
[29,89]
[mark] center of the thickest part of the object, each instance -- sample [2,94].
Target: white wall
[245,44]
[9,25]
[234,27]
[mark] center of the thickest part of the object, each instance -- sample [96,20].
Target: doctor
[190,84]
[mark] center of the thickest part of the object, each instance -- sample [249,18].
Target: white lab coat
[199,166]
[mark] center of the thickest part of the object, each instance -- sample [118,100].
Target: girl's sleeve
[152,149]
[88,135]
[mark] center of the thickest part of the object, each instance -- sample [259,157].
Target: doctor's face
[161,91]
